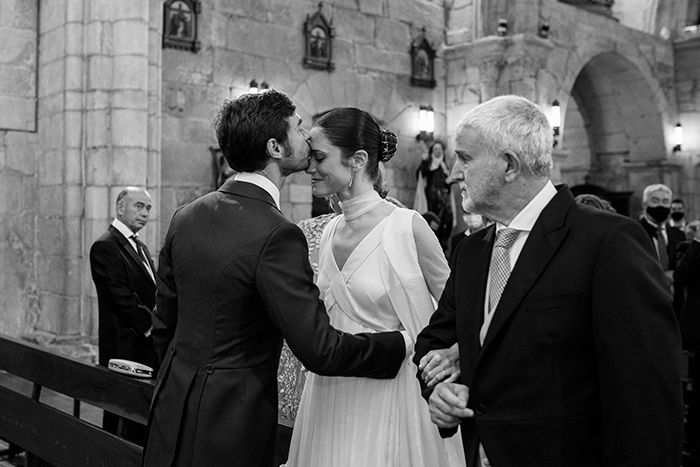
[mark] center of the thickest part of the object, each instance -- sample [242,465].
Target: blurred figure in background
[677,214]
[594,201]
[433,190]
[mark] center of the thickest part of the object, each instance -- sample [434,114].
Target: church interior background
[96,95]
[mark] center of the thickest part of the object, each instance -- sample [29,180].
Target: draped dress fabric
[362,421]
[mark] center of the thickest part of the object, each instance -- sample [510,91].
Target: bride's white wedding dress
[361,421]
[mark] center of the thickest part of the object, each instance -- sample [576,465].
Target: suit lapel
[542,244]
[476,262]
[131,253]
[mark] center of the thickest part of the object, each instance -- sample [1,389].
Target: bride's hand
[440,365]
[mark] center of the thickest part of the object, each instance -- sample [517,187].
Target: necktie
[500,265]
[141,249]
[663,248]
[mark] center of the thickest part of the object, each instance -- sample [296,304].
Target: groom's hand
[448,404]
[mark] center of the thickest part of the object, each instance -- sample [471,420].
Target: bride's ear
[359,159]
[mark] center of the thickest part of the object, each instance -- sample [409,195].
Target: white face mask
[473,221]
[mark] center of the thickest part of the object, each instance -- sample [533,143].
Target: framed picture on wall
[180,22]
[318,35]
[422,62]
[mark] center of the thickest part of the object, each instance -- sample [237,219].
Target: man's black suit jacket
[675,237]
[233,280]
[687,277]
[126,295]
[581,362]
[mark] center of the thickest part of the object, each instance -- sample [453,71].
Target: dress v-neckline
[343,269]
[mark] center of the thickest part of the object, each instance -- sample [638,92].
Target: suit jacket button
[480,409]
[172,350]
[209,369]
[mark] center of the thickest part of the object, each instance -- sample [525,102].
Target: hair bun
[387,145]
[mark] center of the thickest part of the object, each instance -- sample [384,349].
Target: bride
[380,268]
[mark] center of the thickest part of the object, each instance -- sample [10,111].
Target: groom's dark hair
[245,125]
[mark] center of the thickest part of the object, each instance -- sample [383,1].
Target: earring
[352,177]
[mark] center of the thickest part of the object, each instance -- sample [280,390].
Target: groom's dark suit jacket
[233,280]
[581,363]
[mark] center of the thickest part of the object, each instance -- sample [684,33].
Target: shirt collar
[526,218]
[123,229]
[262,182]
[653,223]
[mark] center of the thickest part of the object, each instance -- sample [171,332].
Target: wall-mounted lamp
[555,120]
[255,88]
[677,137]
[502,26]
[426,123]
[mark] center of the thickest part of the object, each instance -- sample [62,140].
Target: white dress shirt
[523,221]
[262,182]
[127,233]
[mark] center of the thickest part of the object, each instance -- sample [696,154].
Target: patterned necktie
[663,248]
[141,249]
[500,265]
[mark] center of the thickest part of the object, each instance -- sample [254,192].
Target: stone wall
[623,79]
[113,108]
[18,62]
[18,165]
[248,39]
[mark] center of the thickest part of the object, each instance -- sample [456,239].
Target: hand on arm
[441,365]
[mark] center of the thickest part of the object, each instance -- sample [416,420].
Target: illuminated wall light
[677,137]
[426,123]
[555,120]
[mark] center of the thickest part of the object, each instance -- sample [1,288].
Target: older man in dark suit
[569,350]
[123,273]
[233,280]
[687,278]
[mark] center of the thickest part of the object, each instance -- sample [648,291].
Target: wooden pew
[59,438]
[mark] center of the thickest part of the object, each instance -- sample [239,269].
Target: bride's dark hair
[351,130]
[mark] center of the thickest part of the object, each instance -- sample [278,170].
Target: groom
[233,280]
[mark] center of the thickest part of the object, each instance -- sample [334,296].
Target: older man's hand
[448,404]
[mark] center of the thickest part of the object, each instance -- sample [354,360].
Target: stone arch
[615,120]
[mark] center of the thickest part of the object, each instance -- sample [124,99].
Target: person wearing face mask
[677,214]
[657,208]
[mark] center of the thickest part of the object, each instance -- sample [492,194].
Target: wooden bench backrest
[58,437]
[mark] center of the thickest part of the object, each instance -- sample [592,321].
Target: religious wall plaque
[318,35]
[422,62]
[180,22]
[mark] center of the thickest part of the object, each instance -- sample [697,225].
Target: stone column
[98,93]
